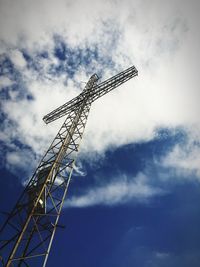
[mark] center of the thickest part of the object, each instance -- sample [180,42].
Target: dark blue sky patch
[21,91]
[10,188]
[20,145]
[29,97]
[44,54]
[134,157]
[6,66]
[3,151]
[128,161]
[33,61]
[26,56]
[4,94]
[8,69]
[60,51]
[70,59]
[170,227]
[116,236]
[171,135]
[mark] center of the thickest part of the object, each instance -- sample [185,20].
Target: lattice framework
[31,225]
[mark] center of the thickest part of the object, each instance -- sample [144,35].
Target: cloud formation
[161,39]
[121,191]
[185,160]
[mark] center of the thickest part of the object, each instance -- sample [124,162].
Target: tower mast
[28,232]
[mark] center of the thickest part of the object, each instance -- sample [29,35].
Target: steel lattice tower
[27,234]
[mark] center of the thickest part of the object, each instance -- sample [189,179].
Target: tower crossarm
[73,103]
[92,92]
[113,82]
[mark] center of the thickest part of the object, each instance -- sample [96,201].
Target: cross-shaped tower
[31,225]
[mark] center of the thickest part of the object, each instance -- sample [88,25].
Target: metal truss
[28,232]
[98,91]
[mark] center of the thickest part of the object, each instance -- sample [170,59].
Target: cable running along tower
[27,234]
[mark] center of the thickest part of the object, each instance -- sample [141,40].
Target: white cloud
[18,160]
[17,58]
[5,81]
[117,192]
[160,38]
[78,170]
[184,158]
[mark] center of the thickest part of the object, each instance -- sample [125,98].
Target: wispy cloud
[79,170]
[184,159]
[119,191]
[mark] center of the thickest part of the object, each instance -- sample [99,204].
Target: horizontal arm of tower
[72,104]
[94,93]
[63,110]
[115,81]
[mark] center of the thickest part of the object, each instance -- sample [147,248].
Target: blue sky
[134,196]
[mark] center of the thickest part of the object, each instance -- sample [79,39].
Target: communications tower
[27,234]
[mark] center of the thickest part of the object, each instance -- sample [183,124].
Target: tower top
[93,91]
